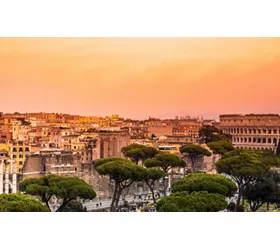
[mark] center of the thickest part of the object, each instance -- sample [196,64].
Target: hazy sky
[140,77]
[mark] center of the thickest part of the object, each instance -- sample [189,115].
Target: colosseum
[252,131]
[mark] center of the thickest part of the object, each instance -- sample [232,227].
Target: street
[106,203]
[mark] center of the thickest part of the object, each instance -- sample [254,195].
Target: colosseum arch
[259,140]
[237,131]
[274,141]
[250,148]
[234,140]
[249,139]
[241,131]
[254,139]
[234,131]
[269,131]
[245,130]
[269,140]
[250,131]
[245,140]
[241,139]
[264,140]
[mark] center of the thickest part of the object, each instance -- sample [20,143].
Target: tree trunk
[153,195]
[237,205]
[118,196]
[151,187]
[63,205]
[112,207]
[193,163]
[267,206]
[47,202]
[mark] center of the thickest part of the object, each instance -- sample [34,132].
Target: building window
[264,131]
[275,131]
[14,150]
[269,131]
[14,156]
[20,150]
[26,149]
[20,163]
[20,156]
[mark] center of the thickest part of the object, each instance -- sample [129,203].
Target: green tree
[165,161]
[122,172]
[212,183]
[151,176]
[212,134]
[220,147]
[194,153]
[65,188]
[20,203]
[264,189]
[245,166]
[137,152]
[194,202]
[135,155]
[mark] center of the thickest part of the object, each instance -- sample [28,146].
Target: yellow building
[19,153]
[5,146]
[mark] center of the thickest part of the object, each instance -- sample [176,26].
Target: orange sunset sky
[140,77]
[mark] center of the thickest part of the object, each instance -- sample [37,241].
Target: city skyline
[140,77]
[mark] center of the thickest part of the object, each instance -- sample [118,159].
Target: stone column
[1,176]
[14,173]
[7,180]
[169,179]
